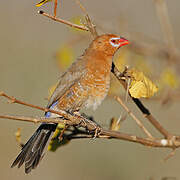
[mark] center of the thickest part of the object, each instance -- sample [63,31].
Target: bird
[85,84]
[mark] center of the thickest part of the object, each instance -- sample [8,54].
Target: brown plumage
[84,84]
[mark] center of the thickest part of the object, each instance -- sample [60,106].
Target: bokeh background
[28,68]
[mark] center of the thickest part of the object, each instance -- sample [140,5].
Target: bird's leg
[97,132]
[82,120]
[91,118]
[97,127]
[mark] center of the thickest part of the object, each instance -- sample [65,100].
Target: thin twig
[33,120]
[143,141]
[127,90]
[55,8]
[151,118]
[139,123]
[63,21]
[171,154]
[90,25]
[163,143]
[171,141]
[141,107]
[74,119]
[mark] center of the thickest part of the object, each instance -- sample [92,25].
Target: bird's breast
[97,82]
[90,89]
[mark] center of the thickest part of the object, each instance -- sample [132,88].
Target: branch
[119,76]
[141,107]
[139,123]
[64,21]
[73,118]
[170,140]
[107,134]
[90,25]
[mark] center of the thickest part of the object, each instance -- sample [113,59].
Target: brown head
[108,44]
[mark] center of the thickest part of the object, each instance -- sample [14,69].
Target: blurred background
[35,50]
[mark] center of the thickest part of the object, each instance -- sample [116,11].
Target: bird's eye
[113,41]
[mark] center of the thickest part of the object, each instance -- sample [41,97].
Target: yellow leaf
[115,124]
[55,142]
[169,78]
[140,85]
[18,135]
[42,2]
[65,56]
[59,128]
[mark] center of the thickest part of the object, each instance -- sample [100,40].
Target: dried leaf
[18,135]
[140,85]
[55,142]
[114,124]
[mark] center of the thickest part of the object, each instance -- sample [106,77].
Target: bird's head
[108,43]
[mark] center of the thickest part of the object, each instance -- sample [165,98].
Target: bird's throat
[99,62]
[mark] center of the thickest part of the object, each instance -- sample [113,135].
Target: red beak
[123,41]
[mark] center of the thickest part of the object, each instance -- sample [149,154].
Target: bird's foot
[82,121]
[97,132]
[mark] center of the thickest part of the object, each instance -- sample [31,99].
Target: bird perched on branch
[84,84]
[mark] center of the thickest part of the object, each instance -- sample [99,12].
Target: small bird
[84,84]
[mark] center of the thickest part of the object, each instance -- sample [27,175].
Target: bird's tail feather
[32,151]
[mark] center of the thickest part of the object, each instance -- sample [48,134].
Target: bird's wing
[68,79]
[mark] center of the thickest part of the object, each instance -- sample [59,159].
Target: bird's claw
[82,121]
[97,132]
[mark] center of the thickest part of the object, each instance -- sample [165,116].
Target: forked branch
[91,126]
